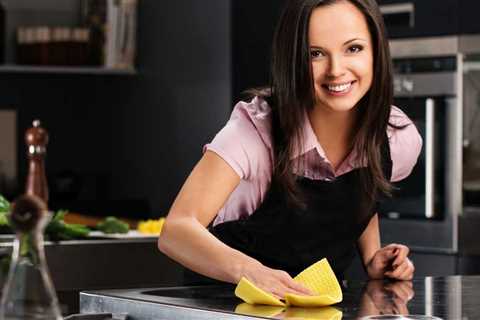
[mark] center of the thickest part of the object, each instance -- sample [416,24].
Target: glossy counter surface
[456,297]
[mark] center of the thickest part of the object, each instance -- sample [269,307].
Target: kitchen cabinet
[252,33]
[427,18]
[56,36]
[420,18]
[103,264]
[128,140]
[468,11]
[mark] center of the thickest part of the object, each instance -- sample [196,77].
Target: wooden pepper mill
[36,139]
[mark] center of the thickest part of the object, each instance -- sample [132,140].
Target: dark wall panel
[115,138]
[253,24]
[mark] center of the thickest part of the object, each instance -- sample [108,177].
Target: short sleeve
[405,145]
[242,142]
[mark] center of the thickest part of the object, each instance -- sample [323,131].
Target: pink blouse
[245,144]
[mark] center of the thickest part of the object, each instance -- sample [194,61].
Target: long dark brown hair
[291,94]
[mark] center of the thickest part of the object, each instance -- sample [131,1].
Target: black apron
[291,239]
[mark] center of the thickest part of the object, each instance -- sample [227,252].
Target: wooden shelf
[11,68]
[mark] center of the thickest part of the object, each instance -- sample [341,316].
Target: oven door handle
[429,158]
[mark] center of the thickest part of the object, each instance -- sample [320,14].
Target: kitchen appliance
[430,18]
[430,87]
[471,135]
[425,89]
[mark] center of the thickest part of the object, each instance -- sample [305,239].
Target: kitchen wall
[180,99]
[133,137]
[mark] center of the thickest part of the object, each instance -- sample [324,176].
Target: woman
[296,173]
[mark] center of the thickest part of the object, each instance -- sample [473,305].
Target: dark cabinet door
[253,26]
[421,18]
[469,10]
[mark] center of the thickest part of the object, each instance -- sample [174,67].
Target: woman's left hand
[391,261]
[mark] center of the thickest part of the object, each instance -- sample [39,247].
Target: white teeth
[340,87]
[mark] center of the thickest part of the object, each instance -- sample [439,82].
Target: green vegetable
[4,204]
[57,229]
[4,209]
[113,225]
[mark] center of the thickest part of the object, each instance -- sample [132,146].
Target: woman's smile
[339,89]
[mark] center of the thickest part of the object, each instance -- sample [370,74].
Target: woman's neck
[334,132]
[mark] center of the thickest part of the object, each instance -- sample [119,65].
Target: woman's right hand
[277,282]
[185,238]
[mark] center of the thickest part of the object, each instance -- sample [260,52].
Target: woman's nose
[336,67]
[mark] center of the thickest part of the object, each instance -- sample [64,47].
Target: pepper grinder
[36,139]
[29,293]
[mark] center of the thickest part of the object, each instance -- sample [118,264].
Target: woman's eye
[316,53]
[355,49]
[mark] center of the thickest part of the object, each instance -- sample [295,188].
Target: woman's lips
[339,89]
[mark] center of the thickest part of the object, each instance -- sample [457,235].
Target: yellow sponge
[323,283]
[324,313]
[258,310]
[319,278]
[249,293]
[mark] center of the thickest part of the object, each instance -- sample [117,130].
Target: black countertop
[455,297]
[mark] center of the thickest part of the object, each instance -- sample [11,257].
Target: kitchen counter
[97,264]
[455,298]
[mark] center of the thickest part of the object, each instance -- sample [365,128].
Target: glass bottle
[29,292]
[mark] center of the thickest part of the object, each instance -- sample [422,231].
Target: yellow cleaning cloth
[292,313]
[249,293]
[258,310]
[319,278]
[323,313]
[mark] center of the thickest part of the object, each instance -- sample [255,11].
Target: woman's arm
[390,261]
[369,241]
[185,238]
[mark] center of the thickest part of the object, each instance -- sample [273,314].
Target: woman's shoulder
[398,117]
[405,143]
[254,115]
[244,142]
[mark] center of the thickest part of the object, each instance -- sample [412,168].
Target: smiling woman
[342,62]
[296,174]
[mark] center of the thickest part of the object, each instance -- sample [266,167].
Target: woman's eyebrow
[347,42]
[354,39]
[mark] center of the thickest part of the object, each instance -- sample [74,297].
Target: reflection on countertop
[454,297]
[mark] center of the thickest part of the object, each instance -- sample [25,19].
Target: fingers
[404,271]
[273,285]
[293,286]
[388,253]
[401,252]
[277,282]
[401,267]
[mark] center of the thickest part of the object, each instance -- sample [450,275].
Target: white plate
[132,234]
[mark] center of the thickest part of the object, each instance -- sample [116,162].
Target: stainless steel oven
[429,88]
[426,90]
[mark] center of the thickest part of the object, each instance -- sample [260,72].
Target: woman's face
[342,56]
